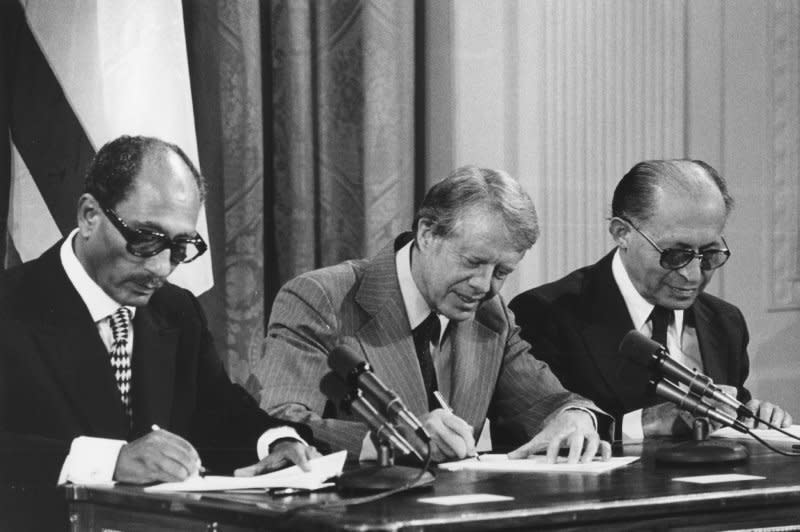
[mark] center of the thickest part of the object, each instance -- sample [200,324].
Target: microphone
[669,391]
[358,373]
[647,352]
[352,401]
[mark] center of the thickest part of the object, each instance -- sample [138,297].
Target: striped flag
[78,73]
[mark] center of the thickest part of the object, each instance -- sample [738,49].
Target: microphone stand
[385,475]
[701,450]
[698,450]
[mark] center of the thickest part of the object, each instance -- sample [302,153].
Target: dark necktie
[120,357]
[424,334]
[660,318]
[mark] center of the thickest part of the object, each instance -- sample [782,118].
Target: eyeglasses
[677,258]
[145,243]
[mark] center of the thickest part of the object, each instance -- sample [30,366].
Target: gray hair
[468,187]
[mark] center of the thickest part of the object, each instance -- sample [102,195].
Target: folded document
[771,436]
[322,469]
[535,464]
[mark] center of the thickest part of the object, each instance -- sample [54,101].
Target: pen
[440,399]
[200,469]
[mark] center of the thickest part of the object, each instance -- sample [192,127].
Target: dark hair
[112,171]
[470,186]
[634,197]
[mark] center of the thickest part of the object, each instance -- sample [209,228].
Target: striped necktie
[120,355]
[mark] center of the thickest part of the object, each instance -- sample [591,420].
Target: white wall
[568,94]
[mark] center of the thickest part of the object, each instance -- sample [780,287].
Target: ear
[424,234]
[620,231]
[89,215]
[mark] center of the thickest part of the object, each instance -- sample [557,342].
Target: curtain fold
[308,145]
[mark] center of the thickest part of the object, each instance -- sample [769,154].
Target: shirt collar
[638,307]
[100,304]
[417,308]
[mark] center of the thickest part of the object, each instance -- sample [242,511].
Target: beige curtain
[305,118]
[343,129]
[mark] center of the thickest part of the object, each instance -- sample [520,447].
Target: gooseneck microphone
[356,372]
[646,352]
[352,401]
[667,390]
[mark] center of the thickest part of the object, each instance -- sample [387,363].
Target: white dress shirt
[681,339]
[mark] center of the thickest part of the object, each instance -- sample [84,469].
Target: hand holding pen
[158,456]
[442,403]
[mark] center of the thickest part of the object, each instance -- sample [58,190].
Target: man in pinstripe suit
[470,233]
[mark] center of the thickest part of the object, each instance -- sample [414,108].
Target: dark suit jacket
[576,324]
[56,381]
[493,373]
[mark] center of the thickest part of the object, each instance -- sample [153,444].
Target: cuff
[90,461]
[632,426]
[272,435]
[368,450]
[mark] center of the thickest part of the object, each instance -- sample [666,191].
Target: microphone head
[639,348]
[344,360]
[335,389]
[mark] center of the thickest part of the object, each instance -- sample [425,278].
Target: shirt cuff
[91,461]
[272,435]
[368,450]
[584,409]
[632,428]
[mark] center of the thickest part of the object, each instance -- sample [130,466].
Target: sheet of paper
[714,479]
[322,469]
[473,498]
[777,438]
[501,462]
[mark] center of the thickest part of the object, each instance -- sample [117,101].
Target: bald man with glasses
[668,218]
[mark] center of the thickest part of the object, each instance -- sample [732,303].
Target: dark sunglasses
[677,258]
[146,243]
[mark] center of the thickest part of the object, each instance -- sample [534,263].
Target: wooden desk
[640,496]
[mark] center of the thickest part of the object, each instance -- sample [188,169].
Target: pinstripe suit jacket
[493,376]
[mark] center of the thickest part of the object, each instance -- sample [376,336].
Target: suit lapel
[154,360]
[712,341]
[607,323]
[72,348]
[475,370]
[385,338]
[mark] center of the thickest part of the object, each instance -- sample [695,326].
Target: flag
[77,74]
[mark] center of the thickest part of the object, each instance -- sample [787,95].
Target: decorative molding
[614,90]
[784,229]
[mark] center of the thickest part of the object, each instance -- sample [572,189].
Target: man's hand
[283,453]
[768,412]
[451,437]
[159,456]
[573,429]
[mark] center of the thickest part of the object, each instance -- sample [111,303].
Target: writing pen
[440,399]
[201,471]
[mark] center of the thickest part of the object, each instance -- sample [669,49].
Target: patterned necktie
[120,356]
[424,333]
[660,319]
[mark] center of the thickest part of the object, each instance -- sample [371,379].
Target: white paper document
[472,498]
[774,437]
[536,464]
[714,479]
[322,469]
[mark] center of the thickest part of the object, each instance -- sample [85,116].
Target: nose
[159,265]
[692,271]
[481,280]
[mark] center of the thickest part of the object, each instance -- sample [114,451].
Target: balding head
[636,196]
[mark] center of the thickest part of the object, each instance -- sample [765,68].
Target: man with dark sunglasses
[107,371]
[667,222]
